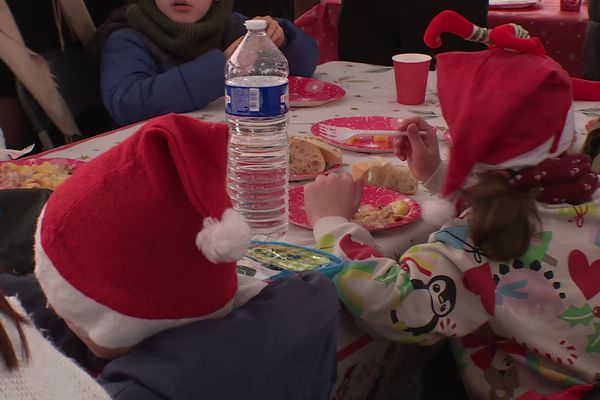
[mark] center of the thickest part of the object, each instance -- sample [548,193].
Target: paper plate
[307,177]
[512,3]
[364,144]
[373,195]
[309,92]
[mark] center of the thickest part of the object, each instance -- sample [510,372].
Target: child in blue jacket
[169,55]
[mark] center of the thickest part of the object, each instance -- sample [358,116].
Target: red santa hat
[505,108]
[118,248]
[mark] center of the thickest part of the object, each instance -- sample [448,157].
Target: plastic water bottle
[256,107]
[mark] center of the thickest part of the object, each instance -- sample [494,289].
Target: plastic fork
[343,134]
[13,154]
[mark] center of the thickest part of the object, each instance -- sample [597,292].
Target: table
[357,79]
[562,32]
[369,91]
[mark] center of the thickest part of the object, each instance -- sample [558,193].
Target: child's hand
[274,31]
[228,52]
[421,152]
[332,195]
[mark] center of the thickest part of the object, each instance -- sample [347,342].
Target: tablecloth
[320,22]
[561,32]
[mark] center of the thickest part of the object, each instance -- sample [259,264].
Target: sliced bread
[332,155]
[380,172]
[305,158]
[360,169]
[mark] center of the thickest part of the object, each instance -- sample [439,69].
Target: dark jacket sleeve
[280,345]
[134,88]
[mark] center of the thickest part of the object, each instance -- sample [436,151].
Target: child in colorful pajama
[513,280]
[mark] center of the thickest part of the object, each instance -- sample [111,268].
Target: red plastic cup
[411,71]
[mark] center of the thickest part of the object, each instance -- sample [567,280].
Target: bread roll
[332,155]
[305,158]
[360,169]
[380,172]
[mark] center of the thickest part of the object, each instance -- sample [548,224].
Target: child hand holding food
[333,195]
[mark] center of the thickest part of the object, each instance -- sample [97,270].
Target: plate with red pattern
[364,144]
[309,92]
[379,209]
[31,173]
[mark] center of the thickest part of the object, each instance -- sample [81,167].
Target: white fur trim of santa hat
[104,326]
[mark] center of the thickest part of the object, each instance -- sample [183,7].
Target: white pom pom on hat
[224,240]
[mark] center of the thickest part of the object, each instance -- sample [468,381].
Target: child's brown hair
[502,219]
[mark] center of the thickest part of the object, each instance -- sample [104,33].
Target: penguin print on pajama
[421,310]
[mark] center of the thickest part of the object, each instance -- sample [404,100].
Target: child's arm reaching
[420,299]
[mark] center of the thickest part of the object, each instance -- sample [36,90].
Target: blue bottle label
[266,101]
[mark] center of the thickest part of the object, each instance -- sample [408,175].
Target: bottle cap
[255,24]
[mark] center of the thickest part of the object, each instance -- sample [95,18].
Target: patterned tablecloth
[370,91]
[562,32]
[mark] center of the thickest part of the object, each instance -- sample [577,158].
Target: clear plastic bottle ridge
[256,106]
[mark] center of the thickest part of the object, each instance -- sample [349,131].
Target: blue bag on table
[269,261]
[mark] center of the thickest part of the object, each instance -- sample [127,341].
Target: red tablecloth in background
[320,22]
[562,32]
